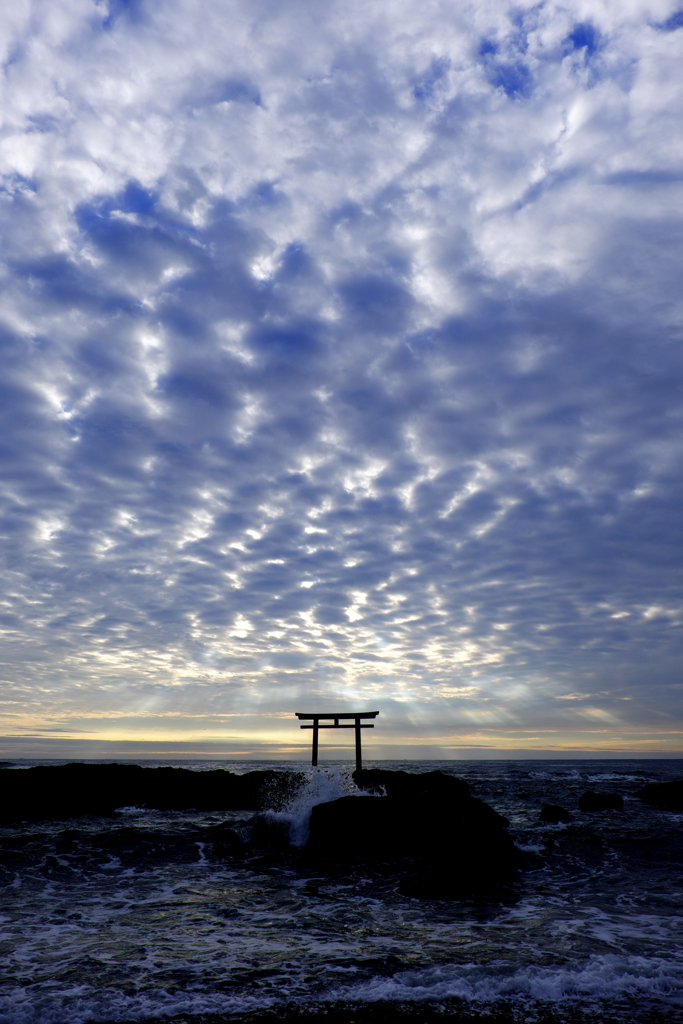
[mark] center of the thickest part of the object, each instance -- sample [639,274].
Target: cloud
[341,362]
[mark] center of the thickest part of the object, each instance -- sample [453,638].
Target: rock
[553,813]
[663,794]
[225,842]
[601,802]
[135,847]
[71,790]
[269,835]
[411,784]
[354,827]
[477,863]
[452,843]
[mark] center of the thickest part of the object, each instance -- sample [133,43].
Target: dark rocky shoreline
[76,789]
[424,828]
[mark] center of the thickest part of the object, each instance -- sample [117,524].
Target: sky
[341,370]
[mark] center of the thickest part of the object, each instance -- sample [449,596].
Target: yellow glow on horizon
[286,739]
[406,724]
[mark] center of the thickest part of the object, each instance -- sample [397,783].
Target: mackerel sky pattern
[341,351]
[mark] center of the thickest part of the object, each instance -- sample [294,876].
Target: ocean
[132,918]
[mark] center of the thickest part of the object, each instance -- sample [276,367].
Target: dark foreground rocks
[448,843]
[424,830]
[601,802]
[73,790]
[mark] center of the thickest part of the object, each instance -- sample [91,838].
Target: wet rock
[478,861]
[450,842]
[663,794]
[554,813]
[225,842]
[134,847]
[601,802]
[72,790]
[413,785]
[270,835]
[354,827]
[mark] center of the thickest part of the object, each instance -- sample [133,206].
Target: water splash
[322,786]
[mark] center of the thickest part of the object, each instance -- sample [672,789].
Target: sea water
[129,918]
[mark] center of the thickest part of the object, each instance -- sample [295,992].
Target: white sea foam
[530,847]
[563,774]
[614,777]
[134,809]
[599,981]
[323,785]
[610,978]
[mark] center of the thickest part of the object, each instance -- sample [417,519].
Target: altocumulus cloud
[342,363]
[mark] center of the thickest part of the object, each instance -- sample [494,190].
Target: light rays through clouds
[341,365]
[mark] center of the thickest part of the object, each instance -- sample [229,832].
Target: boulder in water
[663,794]
[601,802]
[225,842]
[412,785]
[452,843]
[269,835]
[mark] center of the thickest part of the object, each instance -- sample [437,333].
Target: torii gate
[335,718]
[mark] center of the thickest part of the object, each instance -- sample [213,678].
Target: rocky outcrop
[411,785]
[424,830]
[554,813]
[663,794]
[601,802]
[72,790]
[449,843]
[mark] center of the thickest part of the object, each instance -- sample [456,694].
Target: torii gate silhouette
[335,719]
